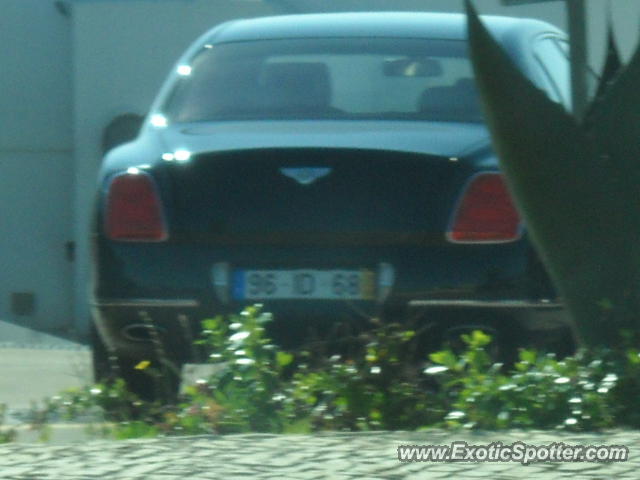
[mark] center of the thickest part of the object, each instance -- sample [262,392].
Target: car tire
[102,369]
[505,334]
[441,330]
[157,381]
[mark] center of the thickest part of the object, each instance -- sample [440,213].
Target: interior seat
[458,102]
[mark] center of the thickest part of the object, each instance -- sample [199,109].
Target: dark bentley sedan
[332,167]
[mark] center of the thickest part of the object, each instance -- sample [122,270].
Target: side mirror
[121,129]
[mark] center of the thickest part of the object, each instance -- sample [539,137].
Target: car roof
[449,26]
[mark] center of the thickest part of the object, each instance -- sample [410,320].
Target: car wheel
[504,337]
[102,369]
[148,378]
[438,330]
[152,382]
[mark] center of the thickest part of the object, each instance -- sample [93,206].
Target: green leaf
[605,304]
[444,357]
[283,359]
[528,356]
[563,175]
[633,356]
[480,338]
[612,67]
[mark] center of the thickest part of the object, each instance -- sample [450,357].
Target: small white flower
[435,370]
[455,415]
[245,361]
[238,337]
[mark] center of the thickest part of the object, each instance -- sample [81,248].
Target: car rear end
[331,180]
[375,231]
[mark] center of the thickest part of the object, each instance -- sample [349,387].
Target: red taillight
[486,212]
[133,211]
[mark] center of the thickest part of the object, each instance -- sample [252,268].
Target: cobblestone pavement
[321,456]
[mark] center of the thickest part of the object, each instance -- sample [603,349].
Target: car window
[328,78]
[553,57]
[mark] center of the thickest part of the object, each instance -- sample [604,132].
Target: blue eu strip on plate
[238,284]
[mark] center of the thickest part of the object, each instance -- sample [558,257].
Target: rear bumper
[429,271]
[541,304]
[536,315]
[129,326]
[143,303]
[138,303]
[175,286]
[124,323]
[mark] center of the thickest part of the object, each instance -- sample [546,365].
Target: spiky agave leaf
[612,65]
[614,127]
[560,176]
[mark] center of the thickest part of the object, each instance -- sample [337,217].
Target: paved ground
[18,336]
[34,365]
[30,374]
[330,456]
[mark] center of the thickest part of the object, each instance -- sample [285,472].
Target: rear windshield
[337,78]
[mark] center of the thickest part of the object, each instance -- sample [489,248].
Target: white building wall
[36,165]
[625,17]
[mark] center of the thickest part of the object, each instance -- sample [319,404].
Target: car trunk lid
[314,195]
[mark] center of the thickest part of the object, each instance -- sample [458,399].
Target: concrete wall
[36,165]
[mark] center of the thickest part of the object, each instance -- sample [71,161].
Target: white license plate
[301,284]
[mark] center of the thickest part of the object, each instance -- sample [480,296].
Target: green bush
[260,388]
[6,434]
[540,391]
[246,392]
[378,385]
[377,388]
[108,410]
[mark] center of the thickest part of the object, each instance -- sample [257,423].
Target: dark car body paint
[397,211]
